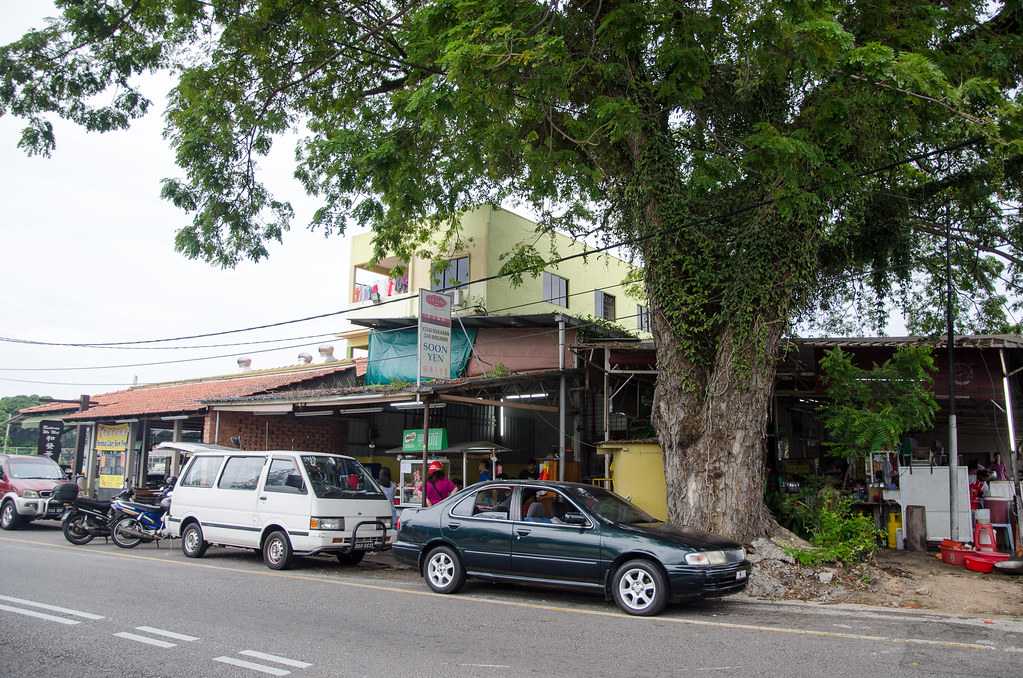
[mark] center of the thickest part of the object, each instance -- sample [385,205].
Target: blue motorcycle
[135,522]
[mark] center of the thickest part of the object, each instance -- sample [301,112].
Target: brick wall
[277,432]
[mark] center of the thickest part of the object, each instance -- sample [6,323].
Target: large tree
[769,162]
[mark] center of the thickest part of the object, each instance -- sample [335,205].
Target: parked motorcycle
[85,518]
[135,522]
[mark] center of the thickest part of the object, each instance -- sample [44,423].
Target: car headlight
[326,523]
[706,558]
[30,494]
[386,521]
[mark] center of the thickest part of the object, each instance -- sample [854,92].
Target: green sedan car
[567,534]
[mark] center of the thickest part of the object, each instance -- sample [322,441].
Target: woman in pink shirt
[438,486]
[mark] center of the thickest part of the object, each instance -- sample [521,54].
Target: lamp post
[953,449]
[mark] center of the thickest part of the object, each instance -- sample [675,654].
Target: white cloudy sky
[88,257]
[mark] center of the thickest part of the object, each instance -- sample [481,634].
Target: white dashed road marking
[145,639]
[263,668]
[155,632]
[167,634]
[39,615]
[51,608]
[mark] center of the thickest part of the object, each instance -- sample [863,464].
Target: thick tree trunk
[711,423]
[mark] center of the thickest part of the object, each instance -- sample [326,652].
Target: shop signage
[49,438]
[434,335]
[112,438]
[412,440]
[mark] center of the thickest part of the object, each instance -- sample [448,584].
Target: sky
[88,257]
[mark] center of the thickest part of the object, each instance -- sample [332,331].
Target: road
[97,610]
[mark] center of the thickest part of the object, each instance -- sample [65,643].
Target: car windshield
[42,468]
[610,506]
[337,477]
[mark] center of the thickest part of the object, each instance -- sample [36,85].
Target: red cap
[435,466]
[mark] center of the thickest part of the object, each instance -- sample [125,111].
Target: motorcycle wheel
[123,540]
[76,529]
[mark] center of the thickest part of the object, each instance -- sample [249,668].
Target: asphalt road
[97,610]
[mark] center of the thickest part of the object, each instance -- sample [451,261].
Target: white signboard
[434,335]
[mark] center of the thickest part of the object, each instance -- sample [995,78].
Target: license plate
[741,574]
[365,543]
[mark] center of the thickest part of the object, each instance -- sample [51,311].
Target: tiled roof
[186,397]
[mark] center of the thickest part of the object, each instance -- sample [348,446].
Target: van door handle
[263,498]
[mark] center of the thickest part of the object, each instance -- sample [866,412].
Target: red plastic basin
[979,564]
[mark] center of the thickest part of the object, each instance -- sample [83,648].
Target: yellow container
[894,523]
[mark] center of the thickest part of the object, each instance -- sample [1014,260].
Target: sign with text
[112,438]
[434,335]
[412,440]
[49,438]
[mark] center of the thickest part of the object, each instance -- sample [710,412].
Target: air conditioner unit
[458,297]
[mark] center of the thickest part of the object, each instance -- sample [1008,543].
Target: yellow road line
[535,606]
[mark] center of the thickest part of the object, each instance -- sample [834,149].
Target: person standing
[997,468]
[438,486]
[388,487]
[530,472]
[484,473]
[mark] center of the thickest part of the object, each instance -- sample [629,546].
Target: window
[555,290]
[241,473]
[283,476]
[642,318]
[456,274]
[604,306]
[202,472]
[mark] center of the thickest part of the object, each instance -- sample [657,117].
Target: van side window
[202,472]
[284,477]
[241,473]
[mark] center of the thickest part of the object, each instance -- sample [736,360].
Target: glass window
[604,306]
[338,477]
[455,275]
[202,472]
[284,476]
[642,318]
[241,473]
[42,468]
[555,289]
[490,502]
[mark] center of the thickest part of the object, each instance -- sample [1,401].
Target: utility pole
[953,436]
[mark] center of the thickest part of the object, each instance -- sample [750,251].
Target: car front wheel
[9,518]
[640,588]
[277,553]
[444,571]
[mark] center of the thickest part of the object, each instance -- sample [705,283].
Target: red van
[26,483]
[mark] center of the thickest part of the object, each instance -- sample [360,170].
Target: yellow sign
[111,481]
[112,438]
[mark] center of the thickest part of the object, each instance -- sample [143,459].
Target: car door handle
[523,532]
[454,526]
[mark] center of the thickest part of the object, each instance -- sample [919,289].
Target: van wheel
[192,543]
[9,518]
[277,553]
[350,558]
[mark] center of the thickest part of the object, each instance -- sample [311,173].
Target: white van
[282,503]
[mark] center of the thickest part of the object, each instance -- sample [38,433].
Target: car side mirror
[295,480]
[575,518]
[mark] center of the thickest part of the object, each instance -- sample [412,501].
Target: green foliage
[500,370]
[835,532]
[19,437]
[871,410]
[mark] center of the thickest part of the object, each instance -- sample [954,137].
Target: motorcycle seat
[138,506]
[96,504]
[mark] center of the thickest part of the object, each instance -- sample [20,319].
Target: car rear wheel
[192,543]
[350,558]
[9,518]
[444,571]
[640,588]
[277,553]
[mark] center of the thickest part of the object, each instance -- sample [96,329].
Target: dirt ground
[907,579]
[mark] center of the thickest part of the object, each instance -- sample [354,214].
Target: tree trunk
[711,424]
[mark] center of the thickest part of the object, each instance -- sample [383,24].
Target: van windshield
[337,477]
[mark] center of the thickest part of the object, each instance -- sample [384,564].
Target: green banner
[412,440]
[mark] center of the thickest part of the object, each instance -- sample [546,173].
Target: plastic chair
[1008,535]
